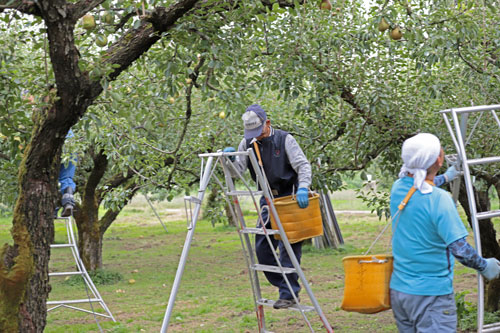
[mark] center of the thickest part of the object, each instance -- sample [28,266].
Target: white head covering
[419,153]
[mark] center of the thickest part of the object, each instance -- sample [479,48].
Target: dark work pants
[266,257]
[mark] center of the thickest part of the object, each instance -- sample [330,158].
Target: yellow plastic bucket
[366,286]
[299,223]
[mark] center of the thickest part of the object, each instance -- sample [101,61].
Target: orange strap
[257,151]
[409,195]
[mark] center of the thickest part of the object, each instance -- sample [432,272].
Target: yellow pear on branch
[325,5]
[396,33]
[101,40]
[383,25]
[88,22]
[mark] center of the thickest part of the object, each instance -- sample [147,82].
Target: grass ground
[215,293]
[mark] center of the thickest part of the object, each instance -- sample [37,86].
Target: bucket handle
[374,260]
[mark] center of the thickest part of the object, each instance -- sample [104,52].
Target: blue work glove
[451,174]
[230,150]
[303,197]
[439,180]
[492,269]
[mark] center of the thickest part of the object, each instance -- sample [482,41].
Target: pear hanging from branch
[325,5]
[383,25]
[396,33]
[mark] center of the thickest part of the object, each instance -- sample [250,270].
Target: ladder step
[62,218]
[296,307]
[74,301]
[495,327]
[259,231]
[192,199]
[488,215]
[236,193]
[61,245]
[275,269]
[483,160]
[65,273]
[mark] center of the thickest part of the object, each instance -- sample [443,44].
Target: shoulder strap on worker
[401,206]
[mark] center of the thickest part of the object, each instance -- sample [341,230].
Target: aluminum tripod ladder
[93,295]
[229,169]
[458,134]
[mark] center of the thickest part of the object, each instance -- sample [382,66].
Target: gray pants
[422,314]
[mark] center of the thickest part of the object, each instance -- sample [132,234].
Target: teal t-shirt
[425,228]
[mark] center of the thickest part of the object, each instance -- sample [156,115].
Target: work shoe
[67,211]
[68,202]
[284,303]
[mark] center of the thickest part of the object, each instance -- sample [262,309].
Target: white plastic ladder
[93,295]
[207,172]
[458,133]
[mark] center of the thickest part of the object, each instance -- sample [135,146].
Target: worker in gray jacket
[287,170]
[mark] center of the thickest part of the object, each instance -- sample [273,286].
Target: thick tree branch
[116,181]
[471,65]
[23,6]
[82,7]
[111,215]
[281,3]
[100,161]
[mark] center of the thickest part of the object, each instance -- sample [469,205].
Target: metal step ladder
[458,134]
[232,197]
[93,295]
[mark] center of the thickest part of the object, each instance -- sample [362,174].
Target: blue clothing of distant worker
[286,168]
[66,182]
[426,233]
[67,171]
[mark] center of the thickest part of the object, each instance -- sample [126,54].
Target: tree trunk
[492,296]
[89,236]
[24,281]
[91,229]
[230,219]
[91,247]
[489,244]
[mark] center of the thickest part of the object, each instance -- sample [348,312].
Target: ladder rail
[235,210]
[472,109]
[246,246]
[460,144]
[289,249]
[240,176]
[260,176]
[494,113]
[86,276]
[82,271]
[280,269]
[206,174]
[79,263]
[473,212]
[452,135]
[236,213]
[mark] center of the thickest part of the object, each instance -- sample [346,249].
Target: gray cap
[253,121]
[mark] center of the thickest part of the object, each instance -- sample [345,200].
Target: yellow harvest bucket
[299,223]
[366,286]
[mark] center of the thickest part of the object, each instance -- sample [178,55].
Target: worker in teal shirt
[427,235]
